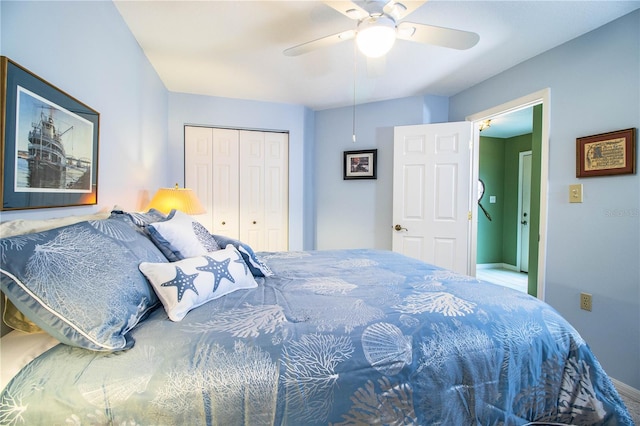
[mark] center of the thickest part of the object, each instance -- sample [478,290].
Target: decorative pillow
[81,283]
[180,237]
[189,283]
[11,315]
[256,265]
[138,221]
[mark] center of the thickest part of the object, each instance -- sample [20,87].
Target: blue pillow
[257,267]
[81,283]
[181,237]
[139,221]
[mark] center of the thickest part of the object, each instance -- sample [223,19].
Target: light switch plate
[575,193]
[492,199]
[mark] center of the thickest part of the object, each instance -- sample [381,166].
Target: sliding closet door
[276,195]
[264,190]
[211,170]
[242,179]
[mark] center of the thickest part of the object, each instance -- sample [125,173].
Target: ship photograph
[53,148]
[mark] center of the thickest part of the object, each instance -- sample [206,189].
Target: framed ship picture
[360,164]
[49,143]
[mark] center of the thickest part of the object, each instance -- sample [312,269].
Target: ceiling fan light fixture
[376,36]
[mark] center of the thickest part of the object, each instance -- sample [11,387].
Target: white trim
[626,390]
[497,266]
[541,97]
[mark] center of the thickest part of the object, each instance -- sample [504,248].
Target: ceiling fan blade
[319,43]
[438,36]
[348,9]
[401,9]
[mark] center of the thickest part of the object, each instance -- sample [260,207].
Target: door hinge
[469,215]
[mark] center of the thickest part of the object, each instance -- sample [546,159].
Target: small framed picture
[360,164]
[612,153]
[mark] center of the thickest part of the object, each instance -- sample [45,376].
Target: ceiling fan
[379,25]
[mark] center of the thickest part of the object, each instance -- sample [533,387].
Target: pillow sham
[80,283]
[186,284]
[180,237]
[11,316]
[138,220]
[257,267]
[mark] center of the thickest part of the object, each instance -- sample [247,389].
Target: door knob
[224,223]
[524,222]
[399,228]
[254,222]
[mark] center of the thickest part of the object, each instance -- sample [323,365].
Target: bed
[335,337]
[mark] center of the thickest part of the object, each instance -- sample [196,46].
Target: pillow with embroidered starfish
[186,284]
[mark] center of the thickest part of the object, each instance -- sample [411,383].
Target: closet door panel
[276,204]
[252,186]
[226,186]
[198,169]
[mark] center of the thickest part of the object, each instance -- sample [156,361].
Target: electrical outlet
[585,301]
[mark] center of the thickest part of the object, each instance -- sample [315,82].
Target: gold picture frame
[612,153]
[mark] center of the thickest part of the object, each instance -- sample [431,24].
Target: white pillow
[181,237]
[189,283]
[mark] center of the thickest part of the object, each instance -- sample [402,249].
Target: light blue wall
[86,50]
[235,113]
[593,247]
[357,213]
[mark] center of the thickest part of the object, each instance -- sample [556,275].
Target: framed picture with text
[612,153]
[49,143]
[360,164]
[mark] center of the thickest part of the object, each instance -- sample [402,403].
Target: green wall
[534,220]
[492,174]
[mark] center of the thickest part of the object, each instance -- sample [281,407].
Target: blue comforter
[345,337]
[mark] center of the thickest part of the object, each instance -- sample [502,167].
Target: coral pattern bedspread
[344,337]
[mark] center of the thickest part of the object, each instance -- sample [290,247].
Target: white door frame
[541,97]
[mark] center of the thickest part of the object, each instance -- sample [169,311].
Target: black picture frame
[360,164]
[48,143]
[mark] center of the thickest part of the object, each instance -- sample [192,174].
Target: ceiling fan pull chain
[355,69]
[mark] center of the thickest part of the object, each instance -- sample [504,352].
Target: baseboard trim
[496,266]
[626,390]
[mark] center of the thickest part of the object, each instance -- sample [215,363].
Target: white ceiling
[234,48]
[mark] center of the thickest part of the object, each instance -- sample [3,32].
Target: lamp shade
[376,36]
[183,199]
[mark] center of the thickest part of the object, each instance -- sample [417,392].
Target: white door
[432,193]
[211,170]
[264,190]
[252,184]
[276,192]
[524,209]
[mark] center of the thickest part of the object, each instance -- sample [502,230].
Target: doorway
[505,170]
[538,216]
